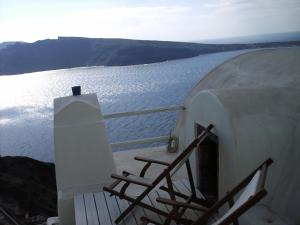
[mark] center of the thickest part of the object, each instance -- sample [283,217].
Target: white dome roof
[258,69]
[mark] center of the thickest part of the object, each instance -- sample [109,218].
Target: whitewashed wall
[83,155]
[253,102]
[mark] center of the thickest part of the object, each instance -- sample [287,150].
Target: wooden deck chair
[253,191]
[127,179]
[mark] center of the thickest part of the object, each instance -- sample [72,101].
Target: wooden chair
[253,192]
[123,182]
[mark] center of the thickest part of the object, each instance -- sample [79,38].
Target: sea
[26,100]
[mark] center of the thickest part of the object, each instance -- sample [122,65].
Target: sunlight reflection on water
[26,101]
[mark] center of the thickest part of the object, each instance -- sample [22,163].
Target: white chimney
[83,155]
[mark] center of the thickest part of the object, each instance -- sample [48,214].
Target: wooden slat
[181,204]
[130,219]
[183,187]
[102,210]
[144,159]
[181,199]
[164,194]
[152,197]
[151,214]
[113,209]
[189,213]
[91,211]
[80,213]
[134,179]
[187,185]
[138,213]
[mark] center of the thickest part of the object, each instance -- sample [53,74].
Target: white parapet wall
[83,155]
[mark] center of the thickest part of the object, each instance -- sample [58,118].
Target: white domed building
[253,101]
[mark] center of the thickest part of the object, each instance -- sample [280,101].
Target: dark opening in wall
[207,162]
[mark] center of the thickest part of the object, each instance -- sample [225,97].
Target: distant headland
[69,52]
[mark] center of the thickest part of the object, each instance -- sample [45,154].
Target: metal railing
[9,218]
[137,113]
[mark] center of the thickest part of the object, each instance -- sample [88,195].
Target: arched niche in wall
[207,165]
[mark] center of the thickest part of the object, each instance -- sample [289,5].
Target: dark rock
[27,189]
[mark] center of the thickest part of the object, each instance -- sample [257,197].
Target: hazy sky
[185,20]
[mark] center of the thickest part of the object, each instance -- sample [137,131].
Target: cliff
[27,189]
[68,52]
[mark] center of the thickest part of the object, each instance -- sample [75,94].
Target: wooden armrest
[181,204]
[151,160]
[135,180]
[179,194]
[126,173]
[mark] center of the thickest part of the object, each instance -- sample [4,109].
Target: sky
[173,20]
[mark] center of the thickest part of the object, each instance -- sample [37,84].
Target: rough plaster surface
[79,137]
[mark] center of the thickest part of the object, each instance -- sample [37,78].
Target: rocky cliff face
[68,52]
[27,189]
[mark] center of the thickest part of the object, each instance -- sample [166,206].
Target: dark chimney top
[76,90]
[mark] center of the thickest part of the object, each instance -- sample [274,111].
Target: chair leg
[190,176]
[170,187]
[231,203]
[173,215]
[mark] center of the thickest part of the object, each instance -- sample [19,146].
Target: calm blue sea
[26,100]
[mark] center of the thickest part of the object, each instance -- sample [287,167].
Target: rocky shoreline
[27,190]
